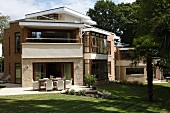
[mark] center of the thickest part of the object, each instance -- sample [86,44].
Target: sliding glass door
[68,71]
[56,69]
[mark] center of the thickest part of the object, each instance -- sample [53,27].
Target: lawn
[130,99]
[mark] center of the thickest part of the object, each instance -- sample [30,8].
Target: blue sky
[17,9]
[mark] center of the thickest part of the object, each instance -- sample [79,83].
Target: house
[60,42]
[125,71]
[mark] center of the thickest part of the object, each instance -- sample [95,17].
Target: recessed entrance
[58,69]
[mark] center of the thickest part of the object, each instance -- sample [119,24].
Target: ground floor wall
[121,74]
[27,69]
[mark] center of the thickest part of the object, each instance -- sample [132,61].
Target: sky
[17,9]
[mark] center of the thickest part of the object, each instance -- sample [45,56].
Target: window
[9,70]
[9,46]
[109,68]
[130,71]
[100,69]
[53,36]
[99,43]
[109,47]
[86,42]
[17,42]
[48,17]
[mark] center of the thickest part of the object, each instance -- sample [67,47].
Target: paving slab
[15,89]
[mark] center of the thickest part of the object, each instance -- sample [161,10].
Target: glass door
[39,71]
[17,74]
[68,71]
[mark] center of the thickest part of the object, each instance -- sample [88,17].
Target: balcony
[52,50]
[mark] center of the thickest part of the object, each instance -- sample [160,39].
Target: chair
[60,84]
[35,85]
[6,79]
[68,84]
[49,85]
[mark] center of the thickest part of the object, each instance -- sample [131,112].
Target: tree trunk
[150,78]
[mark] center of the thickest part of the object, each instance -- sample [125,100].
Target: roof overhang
[64,10]
[51,24]
[98,31]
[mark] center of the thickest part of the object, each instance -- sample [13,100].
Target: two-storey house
[60,42]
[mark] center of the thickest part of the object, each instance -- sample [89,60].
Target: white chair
[68,84]
[49,85]
[35,85]
[60,84]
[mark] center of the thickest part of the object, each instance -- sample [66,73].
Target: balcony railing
[52,40]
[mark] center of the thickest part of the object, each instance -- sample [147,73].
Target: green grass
[130,99]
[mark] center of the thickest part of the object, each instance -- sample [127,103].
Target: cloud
[17,9]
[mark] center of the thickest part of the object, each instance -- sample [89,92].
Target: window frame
[17,47]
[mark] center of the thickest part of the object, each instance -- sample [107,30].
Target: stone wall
[27,69]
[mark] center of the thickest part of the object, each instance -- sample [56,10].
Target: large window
[17,42]
[99,43]
[99,68]
[52,36]
[95,43]
[56,69]
[86,42]
[130,71]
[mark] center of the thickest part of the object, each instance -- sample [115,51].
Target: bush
[81,92]
[71,92]
[90,79]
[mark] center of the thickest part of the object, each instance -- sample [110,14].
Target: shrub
[67,91]
[71,92]
[82,92]
[90,79]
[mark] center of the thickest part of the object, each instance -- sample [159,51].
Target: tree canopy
[4,23]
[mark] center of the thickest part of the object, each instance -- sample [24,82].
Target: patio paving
[16,89]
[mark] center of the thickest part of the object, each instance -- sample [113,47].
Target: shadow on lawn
[138,95]
[77,104]
[131,99]
[65,106]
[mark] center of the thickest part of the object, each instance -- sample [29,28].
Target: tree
[162,32]
[119,19]
[154,18]
[153,15]
[104,14]
[4,23]
[147,48]
[127,21]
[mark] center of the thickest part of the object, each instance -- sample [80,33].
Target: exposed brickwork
[12,57]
